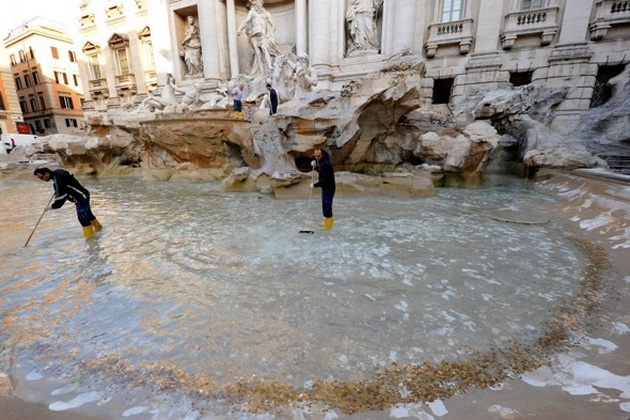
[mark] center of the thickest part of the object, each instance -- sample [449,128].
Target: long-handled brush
[310,197]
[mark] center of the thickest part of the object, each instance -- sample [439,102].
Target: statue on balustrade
[260,30]
[191,52]
[361,21]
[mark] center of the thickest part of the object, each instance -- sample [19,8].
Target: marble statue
[190,101]
[282,77]
[260,30]
[192,49]
[166,97]
[361,21]
[304,74]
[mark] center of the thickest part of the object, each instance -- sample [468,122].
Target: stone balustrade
[609,13]
[98,85]
[448,33]
[530,22]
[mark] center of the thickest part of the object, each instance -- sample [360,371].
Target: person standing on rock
[68,188]
[325,181]
[238,93]
[273,100]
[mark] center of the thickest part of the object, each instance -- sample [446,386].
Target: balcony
[530,22]
[609,13]
[448,33]
[150,80]
[126,83]
[98,86]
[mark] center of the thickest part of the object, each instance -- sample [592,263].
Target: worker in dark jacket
[68,188]
[273,100]
[325,181]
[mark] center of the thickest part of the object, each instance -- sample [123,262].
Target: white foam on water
[577,377]
[603,346]
[77,401]
[595,223]
[505,412]
[34,376]
[65,390]
[134,411]
[625,407]
[437,408]
[620,328]
[405,411]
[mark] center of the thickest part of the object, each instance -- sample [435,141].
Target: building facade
[45,72]
[10,113]
[129,46]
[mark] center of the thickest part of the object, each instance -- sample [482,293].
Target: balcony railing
[98,85]
[530,22]
[126,82]
[609,13]
[448,33]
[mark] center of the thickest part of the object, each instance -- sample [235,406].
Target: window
[95,68]
[442,90]
[71,122]
[601,91]
[521,78]
[18,82]
[23,106]
[38,126]
[42,101]
[65,78]
[33,104]
[452,10]
[21,54]
[13,62]
[46,123]
[2,107]
[533,4]
[75,79]
[72,57]
[32,54]
[27,80]
[56,77]
[66,102]
[122,61]
[35,76]
[55,53]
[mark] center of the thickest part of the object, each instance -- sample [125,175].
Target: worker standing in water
[68,188]
[325,181]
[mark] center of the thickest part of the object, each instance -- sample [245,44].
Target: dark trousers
[327,200]
[84,213]
[238,105]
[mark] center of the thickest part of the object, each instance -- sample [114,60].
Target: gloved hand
[313,163]
[312,185]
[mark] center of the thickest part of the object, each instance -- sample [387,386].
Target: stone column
[484,69]
[209,32]
[320,28]
[575,18]
[300,26]
[399,17]
[232,42]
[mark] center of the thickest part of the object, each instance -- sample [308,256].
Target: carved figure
[219,99]
[189,101]
[361,21]
[166,97]
[282,77]
[304,74]
[192,49]
[260,29]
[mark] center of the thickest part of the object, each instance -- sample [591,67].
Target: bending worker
[325,181]
[68,188]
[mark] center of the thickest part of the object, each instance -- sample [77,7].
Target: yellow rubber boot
[328,223]
[88,232]
[236,115]
[96,225]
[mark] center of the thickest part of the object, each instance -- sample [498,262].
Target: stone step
[618,162]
